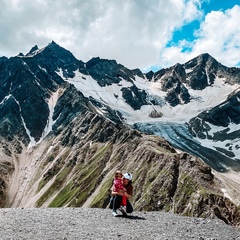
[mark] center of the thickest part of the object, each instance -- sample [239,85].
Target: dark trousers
[115,203]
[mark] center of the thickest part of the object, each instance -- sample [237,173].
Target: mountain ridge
[67,125]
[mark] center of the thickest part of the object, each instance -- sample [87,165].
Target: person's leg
[129,207]
[124,201]
[116,202]
[111,203]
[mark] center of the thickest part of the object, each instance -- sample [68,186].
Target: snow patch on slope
[33,54]
[111,95]
[232,145]
[51,105]
[5,99]
[226,194]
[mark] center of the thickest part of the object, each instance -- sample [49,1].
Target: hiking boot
[123,210]
[114,213]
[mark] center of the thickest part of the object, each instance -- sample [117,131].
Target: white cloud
[133,32]
[219,35]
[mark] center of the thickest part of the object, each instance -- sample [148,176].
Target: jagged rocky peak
[33,49]
[57,52]
[201,71]
[107,72]
[54,52]
[149,75]
[54,58]
[202,60]
[57,48]
[20,54]
[188,70]
[169,76]
[172,82]
[138,72]
[3,60]
[177,71]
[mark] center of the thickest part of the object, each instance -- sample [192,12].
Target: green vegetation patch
[64,196]
[54,187]
[103,196]
[87,178]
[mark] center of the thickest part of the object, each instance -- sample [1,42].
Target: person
[116,199]
[118,186]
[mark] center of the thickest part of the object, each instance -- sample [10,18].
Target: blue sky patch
[188,30]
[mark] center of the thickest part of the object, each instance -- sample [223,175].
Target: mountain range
[67,125]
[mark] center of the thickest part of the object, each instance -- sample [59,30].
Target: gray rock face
[30,81]
[35,48]
[173,80]
[203,71]
[222,115]
[10,121]
[134,97]
[107,72]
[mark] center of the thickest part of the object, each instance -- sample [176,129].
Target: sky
[145,34]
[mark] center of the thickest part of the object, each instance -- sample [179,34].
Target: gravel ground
[86,223]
